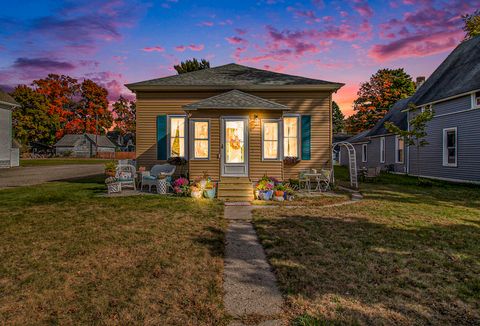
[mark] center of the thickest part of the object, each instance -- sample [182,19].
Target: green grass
[70,257]
[61,161]
[406,254]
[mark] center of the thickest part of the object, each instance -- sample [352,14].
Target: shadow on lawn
[358,271]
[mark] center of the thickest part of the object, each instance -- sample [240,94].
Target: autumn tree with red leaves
[376,96]
[125,115]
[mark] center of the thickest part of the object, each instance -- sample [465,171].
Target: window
[201,139]
[364,153]
[450,147]
[399,150]
[176,134]
[290,136]
[270,136]
[477,99]
[382,150]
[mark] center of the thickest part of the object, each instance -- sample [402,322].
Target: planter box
[114,187]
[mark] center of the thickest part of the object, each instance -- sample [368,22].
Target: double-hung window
[399,149]
[176,136]
[382,149]
[200,129]
[291,131]
[476,99]
[364,153]
[270,139]
[450,147]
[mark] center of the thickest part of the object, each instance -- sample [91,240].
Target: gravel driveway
[25,176]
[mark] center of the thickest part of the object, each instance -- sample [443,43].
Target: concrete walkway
[250,287]
[31,175]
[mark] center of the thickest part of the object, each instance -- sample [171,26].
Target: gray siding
[5,136]
[468,146]
[457,104]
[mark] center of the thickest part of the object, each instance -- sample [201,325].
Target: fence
[117,155]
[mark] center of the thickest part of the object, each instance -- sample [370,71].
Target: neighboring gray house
[379,147]
[9,152]
[85,145]
[453,91]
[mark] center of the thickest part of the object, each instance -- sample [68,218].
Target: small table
[318,177]
[161,185]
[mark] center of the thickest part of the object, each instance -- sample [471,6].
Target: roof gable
[234,76]
[235,99]
[71,140]
[459,73]
[6,98]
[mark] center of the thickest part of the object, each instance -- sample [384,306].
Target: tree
[416,134]
[125,115]
[376,96]
[338,118]
[90,114]
[191,65]
[472,25]
[32,121]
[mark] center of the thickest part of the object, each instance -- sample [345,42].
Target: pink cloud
[241,31]
[207,23]
[154,49]
[235,40]
[192,47]
[416,46]
[363,8]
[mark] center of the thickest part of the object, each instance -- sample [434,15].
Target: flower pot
[267,194]
[278,198]
[203,183]
[197,194]
[279,193]
[257,194]
[110,173]
[209,193]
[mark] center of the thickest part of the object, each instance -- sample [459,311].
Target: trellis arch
[352,161]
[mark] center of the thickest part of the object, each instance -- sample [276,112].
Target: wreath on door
[235,142]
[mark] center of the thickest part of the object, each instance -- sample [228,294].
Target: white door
[234,146]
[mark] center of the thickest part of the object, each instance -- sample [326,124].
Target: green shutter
[306,132]
[162,137]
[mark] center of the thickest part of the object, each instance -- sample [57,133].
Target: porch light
[255,121]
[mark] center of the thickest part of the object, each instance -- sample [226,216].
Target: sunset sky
[115,42]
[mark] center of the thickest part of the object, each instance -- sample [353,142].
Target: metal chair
[304,180]
[326,179]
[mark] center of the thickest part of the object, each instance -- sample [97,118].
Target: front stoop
[233,189]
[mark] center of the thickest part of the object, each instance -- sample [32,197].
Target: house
[235,121]
[85,145]
[453,92]
[9,151]
[125,143]
[377,147]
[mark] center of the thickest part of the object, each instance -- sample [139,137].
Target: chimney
[420,81]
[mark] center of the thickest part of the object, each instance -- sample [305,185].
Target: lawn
[61,161]
[406,254]
[70,257]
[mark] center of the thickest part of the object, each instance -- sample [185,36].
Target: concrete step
[235,192]
[235,186]
[235,180]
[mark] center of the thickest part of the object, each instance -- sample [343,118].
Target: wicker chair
[126,174]
[149,178]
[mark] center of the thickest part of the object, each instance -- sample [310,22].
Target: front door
[234,146]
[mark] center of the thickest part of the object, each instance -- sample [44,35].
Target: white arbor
[352,161]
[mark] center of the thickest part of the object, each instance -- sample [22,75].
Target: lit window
[477,99]
[382,150]
[450,147]
[177,136]
[290,136]
[270,138]
[364,153]
[399,150]
[201,140]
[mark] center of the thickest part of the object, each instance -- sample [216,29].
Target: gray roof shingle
[234,76]
[71,139]
[5,97]
[235,99]
[459,73]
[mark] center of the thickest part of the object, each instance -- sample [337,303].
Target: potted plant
[209,189]
[113,185]
[178,161]
[110,169]
[180,187]
[280,192]
[265,188]
[289,193]
[196,191]
[291,160]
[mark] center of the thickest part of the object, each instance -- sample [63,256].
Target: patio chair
[126,175]
[373,173]
[149,178]
[326,179]
[303,180]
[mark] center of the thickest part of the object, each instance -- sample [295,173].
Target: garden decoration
[110,169]
[113,186]
[265,188]
[280,192]
[196,191]
[210,189]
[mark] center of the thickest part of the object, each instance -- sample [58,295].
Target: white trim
[185,132]
[382,149]
[446,98]
[299,133]
[279,138]
[364,153]
[397,139]
[191,139]
[223,120]
[445,149]
[475,105]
